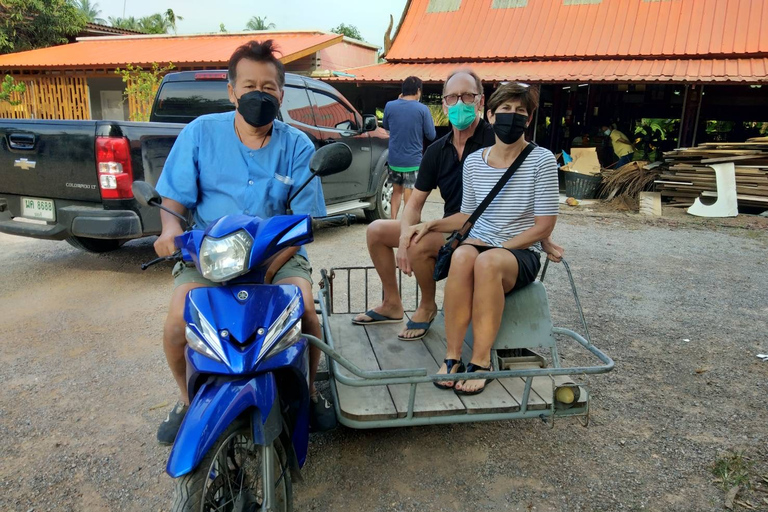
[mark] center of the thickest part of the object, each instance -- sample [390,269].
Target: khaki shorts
[297,266]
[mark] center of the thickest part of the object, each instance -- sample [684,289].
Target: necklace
[264,140]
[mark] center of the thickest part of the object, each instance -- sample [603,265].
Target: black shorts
[403,179]
[528,264]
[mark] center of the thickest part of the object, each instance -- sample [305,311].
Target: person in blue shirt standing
[408,122]
[240,162]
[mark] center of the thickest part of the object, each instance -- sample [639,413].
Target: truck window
[296,109]
[331,113]
[192,99]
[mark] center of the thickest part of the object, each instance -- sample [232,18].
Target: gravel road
[682,308]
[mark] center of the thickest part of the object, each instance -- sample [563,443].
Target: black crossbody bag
[443,263]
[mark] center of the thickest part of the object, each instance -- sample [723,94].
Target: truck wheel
[382,201]
[230,476]
[94,244]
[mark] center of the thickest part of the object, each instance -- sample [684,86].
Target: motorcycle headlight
[225,258]
[280,325]
[291,337]
[199,346]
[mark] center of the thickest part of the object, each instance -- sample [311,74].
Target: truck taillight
[113,159]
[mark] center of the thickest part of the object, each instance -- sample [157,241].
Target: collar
[478,137]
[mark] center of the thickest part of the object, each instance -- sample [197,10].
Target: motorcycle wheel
[230,476]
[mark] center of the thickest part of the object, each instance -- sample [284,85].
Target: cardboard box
[584,161]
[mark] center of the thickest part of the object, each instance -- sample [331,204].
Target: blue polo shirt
[213,174]
[409,122]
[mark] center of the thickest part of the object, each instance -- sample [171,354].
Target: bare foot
[423,314]
[394,312]
[474,385]
[448,384]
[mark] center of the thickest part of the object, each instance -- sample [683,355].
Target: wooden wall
[49,97]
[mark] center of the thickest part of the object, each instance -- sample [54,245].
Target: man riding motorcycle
[242,162]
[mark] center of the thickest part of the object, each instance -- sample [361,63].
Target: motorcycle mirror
[331,159]
[146,194]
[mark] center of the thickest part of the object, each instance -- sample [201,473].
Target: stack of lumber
[685,174]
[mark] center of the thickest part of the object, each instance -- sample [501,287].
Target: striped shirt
[531,192]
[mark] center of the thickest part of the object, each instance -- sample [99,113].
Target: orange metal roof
[746,70]
[108,52]
[550,29]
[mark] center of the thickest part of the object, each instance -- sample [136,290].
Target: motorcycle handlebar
[333,221]
[173,257]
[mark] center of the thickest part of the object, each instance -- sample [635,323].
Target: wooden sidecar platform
[376,347]
[379,381]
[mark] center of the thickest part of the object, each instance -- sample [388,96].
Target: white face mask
[607,132]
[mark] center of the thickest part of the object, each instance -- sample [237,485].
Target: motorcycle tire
[203,489]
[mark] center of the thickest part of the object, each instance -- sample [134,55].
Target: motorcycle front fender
[215,406]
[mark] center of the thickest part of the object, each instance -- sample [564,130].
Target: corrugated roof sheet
[143,50]
[747,70]
[548,29]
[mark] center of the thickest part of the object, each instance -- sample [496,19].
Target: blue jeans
[624,160]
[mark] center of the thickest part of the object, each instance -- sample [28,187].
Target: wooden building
[78,80]
[595,60]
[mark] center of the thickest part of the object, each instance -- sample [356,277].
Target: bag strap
[496,189]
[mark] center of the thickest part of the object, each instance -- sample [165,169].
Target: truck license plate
[41,209]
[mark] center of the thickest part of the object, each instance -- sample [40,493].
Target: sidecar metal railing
[415,376]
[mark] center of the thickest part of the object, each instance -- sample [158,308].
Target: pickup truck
[71,180]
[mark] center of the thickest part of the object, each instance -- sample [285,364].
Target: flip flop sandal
[377,318]
[472,368]
[449,364]
[416,325]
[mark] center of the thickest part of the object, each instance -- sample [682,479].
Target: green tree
[159,23]
[30,24]
[259,23]
[129,23]
[348,30]
[171,17]
[222,28]
[141,86]
[9,88]
[90,10]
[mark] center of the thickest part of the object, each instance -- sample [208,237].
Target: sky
[370,17]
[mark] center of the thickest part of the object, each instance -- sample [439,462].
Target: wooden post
[690,116]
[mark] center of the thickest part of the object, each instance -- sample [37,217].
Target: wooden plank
[393,354]
[515,388]
[359,403]
[494,399]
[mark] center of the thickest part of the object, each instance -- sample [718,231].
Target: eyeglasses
[466,98]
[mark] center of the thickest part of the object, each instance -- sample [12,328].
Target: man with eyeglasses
[441,167]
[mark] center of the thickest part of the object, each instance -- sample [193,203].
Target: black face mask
[258,108]
[509,127]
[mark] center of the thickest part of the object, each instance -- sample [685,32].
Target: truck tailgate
[49,159]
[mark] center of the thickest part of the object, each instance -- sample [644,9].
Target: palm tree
[90,10]
[129,23]
[172,18]
[154,24]
[259,23]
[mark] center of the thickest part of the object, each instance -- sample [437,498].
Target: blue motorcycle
[245,435]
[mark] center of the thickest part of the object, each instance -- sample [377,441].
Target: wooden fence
[49,97]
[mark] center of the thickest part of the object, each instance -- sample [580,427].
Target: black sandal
[449,364]
[472,368]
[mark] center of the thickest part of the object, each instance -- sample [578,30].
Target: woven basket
[581,186]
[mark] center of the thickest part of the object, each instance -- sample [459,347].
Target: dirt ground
[680,304]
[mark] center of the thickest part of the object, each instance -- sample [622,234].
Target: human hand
[402,260]
[165,243]
[554,252]
[419,230]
